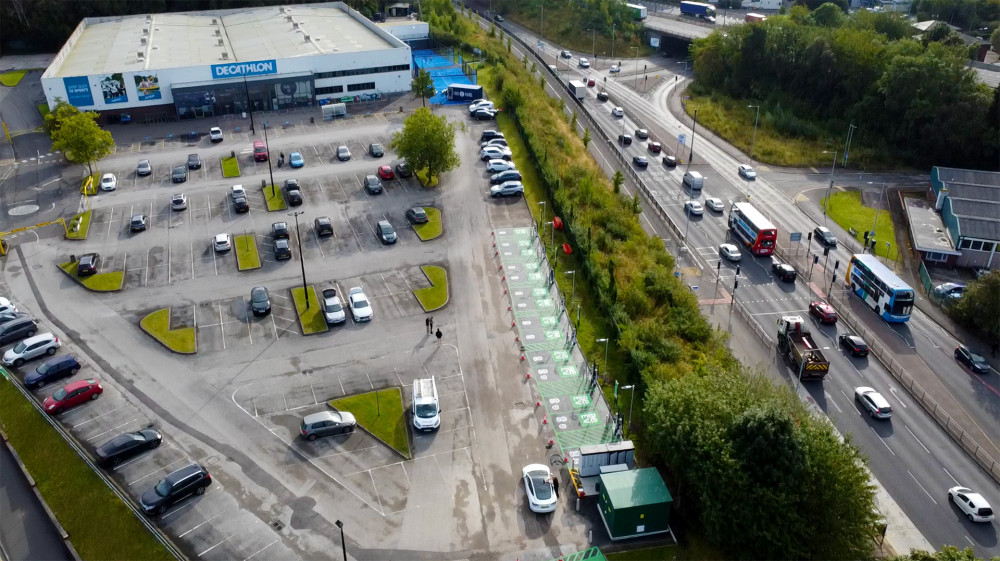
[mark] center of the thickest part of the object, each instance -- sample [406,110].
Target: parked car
[333,310]
[54,369]
[292,192]
[282,251]
[385,232]
[416,215]
[137,223]
[823,312]
[71,395]
[538,487]
[30,348]
[88,264]
[670,161]
[222,243]
[10,315]
[327,423]
[128,445]
[361,310]
[372,184]
[503,176]
[178,201]
[655,147]
[194,161]
[259,151]
[375,150]
[693,208]
[714,204]
[241,205]
[295,160]
[873,402]
[494,142]
[17,329]
[215,134]
[494,153]
[499,165]
[641,134]
[260,301]
[617,112]
[109,182]
[730,252]
[175,487]
[490,134]
[385,172]
[324,227]
[854,344]
[343,153]
[506,189]
[972,504]
[7,306]
[950,290]
[974,362]
[747,172]
[478,104]
[783,271]
[143,168]
[602,95]
[237,191]
[825,236]
[640,161]
[179,174]
[403,170]
[485,114]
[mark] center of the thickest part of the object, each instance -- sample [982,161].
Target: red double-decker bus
[752,228]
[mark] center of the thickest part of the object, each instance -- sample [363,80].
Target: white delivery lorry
[577,88]
[426,410]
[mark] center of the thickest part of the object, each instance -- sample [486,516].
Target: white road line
[377,496]
[221,325]
[931,497]
[206,521]
[882,440]
[112,428]
[262,549]
[917,439]
[157,471]
[408,484]
[95,418]
[128,463]
[216,545]
[347,452]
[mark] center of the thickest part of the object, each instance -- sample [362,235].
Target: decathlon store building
[203,64]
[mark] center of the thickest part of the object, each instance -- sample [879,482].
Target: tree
[995,39]
[81,140]
[427,142]
[947,553]
[586,137]
[828,15]
[618,180]
[55,118]
[423,86]
[980,307]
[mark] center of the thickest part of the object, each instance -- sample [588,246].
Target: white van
[694,180]
[426,411]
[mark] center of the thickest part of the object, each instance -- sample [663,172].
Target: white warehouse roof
[113,44]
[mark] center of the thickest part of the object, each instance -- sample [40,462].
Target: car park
[215,134]
[654,147]
[323,226]
[537,479]
[617,112]
[499,165]
[178,201]
[509,175]
[693,208]
[327,423]
[566,54]
[361,310]
[126,446]
[385,172]
[260,301]
[52,370]
[873,402]
[950,291]
[385,232]
[641,134]
[747,172]
[222,243]
[109,182]
[372,184]
[143,168]
[625,139]
[730,252]
[88,264]
[375,150]
[823,312]
[714,204]
[972,504]
[971,360]
[416,215]
[403,170]
[584,63]
[137,223]
[282,250]
[71,395]
[179,174]
[333,310]
[295,160]
[825,236]
[783,271]
[17,329]
[854,344]
[490,134]
[602,95]
[279,230]
[292,192]
[343,153]
[259,151]
[30,348]
[507,189]
[175,487]
[640,161]
[669,161]
[485,115]
[194,161]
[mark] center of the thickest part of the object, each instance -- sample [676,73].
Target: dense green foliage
[813,73]
[965,14]
[583,25]
[947,553]
[423,86]
[77,134]
[427,143]
[980,307]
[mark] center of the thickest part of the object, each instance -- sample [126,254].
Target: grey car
[194,161]
[372,184]
[327,423]
[343,153]
[386,233]
[260,301]
[179,175]
[17,329]
[143,168]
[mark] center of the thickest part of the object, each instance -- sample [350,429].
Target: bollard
[589,536]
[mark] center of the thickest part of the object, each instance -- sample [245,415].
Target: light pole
[879,207]
[552,235]
[829,190]
[635,84]
[693,127]
[607,342]
[302,258]
[572,293]
[246,89]
[612,40]
[269,170]
[343,545]
[753,142]
[593,42]
[541,213]
[847,147]
[631,400]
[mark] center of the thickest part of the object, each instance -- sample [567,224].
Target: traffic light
[836,264]
[736,284]
[737,270]
[809,236]
[718,266]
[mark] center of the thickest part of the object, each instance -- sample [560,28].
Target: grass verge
[847,211]
[230,167]
[82,221]
[274,197]
[422,178]
[432,228]
[71,489]
[435,296]
[247,257]
[380,413]
[43,109]
[101,282]
[157,326]
[12,78]
[310,319]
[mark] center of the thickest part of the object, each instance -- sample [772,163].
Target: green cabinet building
[634,503]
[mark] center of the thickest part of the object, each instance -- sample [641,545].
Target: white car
[496,166]
[178,201]
[333,310]
[747,172]
[617,112]
[494,142]
[584,63]
[360,308]
[971,503]
[215,134]
[614,69]
[873,402]
[481,104]
[32,347]
[714,204]
[693,208]
[730,252]
[495,153]
[238,192]
[109,182]
[506,189]
[538,487]
[222,243]
[7,306]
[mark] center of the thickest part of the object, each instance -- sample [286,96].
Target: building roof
[988,74]
[635,487]
[113,44]
[927,230]
[973,198]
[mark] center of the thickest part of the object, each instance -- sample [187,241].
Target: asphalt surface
[26,532]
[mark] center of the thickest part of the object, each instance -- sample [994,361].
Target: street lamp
[343,545]
[593,42]
[753,142]
[552,236]
[847,148]
[879,207]
[829,190]
[572,293]
[612,40]
[302,258]
[246,89]
[607,342]
[635,84]
[631,400]
[269,170]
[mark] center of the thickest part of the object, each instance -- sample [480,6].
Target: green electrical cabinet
[634,503]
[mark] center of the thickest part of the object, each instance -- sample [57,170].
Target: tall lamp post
[875,224]
[847,147]
[269,170]
[631,400]
[593,41]
[302,258]
[635,84]
[693,128]
[607,343]
[829,190]
[572,292]
[246,90]
[343,545]
[612,40]
[753,141]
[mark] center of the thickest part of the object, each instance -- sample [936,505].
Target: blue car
[295,160]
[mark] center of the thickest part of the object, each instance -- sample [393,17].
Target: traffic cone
[516,338]
[522,360]
[538,404]
[545,419]
[527,375]
[513,323]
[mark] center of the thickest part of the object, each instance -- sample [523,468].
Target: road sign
[795,237]
[681,138]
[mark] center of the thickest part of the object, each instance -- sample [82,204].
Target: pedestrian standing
[438,334]
[430,325]
[427,325]
[555,485]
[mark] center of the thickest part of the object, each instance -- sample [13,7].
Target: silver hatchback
[327,423]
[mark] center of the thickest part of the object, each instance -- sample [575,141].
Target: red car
[73,393]
[385,172]
[823,312]
[591,82]
[655,147]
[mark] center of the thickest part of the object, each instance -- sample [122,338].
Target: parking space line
[408,287]
[390,293]
[94,418]
[347,452]
[274,326]
[216,545]
[192,259]
[157,471]
[111,429]
[206,521]
[184,506]
[341,380]
[379,497]
[262,549]
[221,326]
[408,484]
[111,221]
[249,333]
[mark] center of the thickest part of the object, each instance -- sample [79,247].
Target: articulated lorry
[797,346]
[698,9]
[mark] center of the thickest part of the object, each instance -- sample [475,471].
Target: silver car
[143,168]
[343,153]
[730,252]
[326,423]
[32,347]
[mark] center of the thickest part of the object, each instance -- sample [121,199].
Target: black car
[279,230]
[508,175]
[403,170]
[640,161]
[241,204]
[55,368]
[88,264]
[385,232]
[602,96]
[292,192]
[17,329]
[566,54]
[824,236]
[641,134]
[971,360]
[260,301]
[856,345]
[137,223]
[179,175]
[324,227]
[784,271]
[125,446]
[375,150]
[484,115]
[194,161]
[372,184]
[625,139]
[670,161]
[489,135]
[187,481]
[282,250]
[498,17]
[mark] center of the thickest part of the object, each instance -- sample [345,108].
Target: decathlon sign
[253,68]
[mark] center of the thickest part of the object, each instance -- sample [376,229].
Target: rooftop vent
[145,31]
[306,37]
[142,40]
[218,33]
[295,25]
[221,43]
[288,18]
[225,55]
[215,21]
[149,18]
[140,55]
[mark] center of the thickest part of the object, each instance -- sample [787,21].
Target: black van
[17,329]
